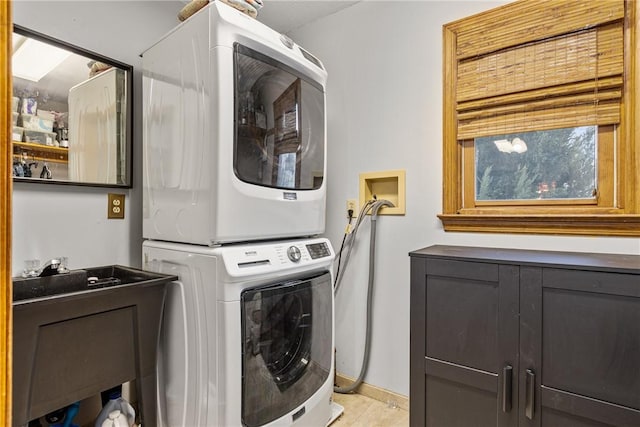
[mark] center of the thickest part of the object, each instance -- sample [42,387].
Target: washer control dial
[286,41]
[294,253]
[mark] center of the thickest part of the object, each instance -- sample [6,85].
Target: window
[539,119]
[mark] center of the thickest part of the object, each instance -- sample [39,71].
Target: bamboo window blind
[545,74]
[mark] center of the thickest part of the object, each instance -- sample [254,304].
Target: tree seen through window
[550,164]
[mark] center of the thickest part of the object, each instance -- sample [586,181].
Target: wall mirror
[71,111]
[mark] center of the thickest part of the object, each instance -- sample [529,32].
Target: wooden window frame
[617,209]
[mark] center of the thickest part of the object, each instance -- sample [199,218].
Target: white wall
[60,220]
[384,103]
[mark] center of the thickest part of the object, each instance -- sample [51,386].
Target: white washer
[247,336]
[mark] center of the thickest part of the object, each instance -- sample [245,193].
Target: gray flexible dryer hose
[367,341]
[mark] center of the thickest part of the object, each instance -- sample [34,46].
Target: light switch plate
[116,206]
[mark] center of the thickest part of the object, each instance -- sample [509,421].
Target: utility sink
[82,332]
[84,280]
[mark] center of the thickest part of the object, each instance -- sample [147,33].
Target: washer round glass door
[286,354]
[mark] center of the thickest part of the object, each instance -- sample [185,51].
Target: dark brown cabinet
[524,338]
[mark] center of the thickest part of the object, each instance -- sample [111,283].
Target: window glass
[287,170]
[279,114]
[550,164]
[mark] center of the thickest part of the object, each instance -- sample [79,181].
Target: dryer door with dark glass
[286,354]
[279,117]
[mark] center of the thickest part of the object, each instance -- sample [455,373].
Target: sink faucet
[49,268]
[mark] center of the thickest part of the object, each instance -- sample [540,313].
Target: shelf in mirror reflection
[40,152]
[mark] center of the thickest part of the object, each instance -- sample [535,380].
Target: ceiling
[287,15]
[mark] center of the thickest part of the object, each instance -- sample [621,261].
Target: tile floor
[363,411]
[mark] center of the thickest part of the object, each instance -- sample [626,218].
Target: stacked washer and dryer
[234,199]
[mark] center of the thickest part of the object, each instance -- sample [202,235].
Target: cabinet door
[469,343]
[585,355]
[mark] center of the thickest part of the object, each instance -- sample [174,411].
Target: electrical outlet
[352,204]
[116,206]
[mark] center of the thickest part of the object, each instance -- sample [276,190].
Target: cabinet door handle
[530,394]
[507,372]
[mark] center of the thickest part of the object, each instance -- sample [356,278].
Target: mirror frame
[128,116]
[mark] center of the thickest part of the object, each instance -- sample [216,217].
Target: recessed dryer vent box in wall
[389,185]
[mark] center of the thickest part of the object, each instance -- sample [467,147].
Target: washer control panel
[246,260]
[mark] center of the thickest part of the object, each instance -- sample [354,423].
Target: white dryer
[234,133]
[247,334]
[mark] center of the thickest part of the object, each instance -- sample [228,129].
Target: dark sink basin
[79,281]
[36,287]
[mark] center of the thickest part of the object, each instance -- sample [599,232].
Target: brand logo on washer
[290,196]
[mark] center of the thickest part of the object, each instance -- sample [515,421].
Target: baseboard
[374,392]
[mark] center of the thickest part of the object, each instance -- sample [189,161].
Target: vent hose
[373,206]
